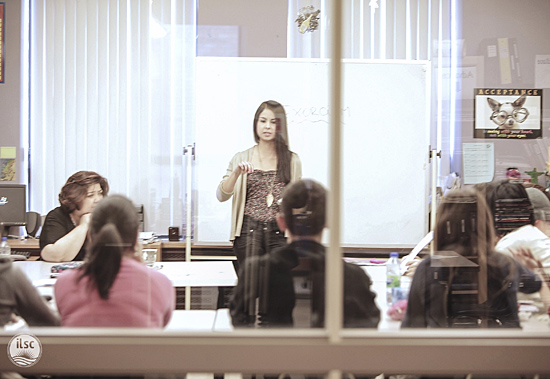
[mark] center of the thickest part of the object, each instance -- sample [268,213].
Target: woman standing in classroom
[255,178]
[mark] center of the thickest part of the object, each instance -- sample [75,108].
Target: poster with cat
[507,113]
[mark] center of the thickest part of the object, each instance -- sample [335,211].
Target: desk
[222,323]
[199,274]
[27,245]
[167,250]
[377,272]
[175,250]
[192,320]
[181,274]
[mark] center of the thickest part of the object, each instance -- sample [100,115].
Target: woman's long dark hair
[464,221]
[284,155]
[113,231]
[465,225]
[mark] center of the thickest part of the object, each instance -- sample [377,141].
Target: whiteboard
[385,121]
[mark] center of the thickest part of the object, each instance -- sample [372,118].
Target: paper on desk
[364,261]
[44,282]
[415,251]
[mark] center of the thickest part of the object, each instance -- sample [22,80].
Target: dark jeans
[257,238]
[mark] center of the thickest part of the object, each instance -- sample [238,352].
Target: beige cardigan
[239,191]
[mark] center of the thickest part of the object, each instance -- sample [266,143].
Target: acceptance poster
[507,113]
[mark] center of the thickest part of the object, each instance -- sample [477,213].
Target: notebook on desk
[59,268]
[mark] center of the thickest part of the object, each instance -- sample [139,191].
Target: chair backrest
[34,222]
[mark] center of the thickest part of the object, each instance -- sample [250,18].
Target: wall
[262,24]
[527,21]
[262,30]
[10,91]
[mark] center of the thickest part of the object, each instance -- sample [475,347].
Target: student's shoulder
[67,278]
[294,157]
[353,272]
[159,277]
[57,212]
[57,216]
[139,269]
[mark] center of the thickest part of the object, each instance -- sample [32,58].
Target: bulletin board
[385,134]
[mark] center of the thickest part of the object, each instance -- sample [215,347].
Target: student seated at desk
[113,287]
[302,215]
[63,235]
[19,297]
[466,283]
[535,236]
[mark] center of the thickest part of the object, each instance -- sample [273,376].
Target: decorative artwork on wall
[308,19]
[8,154]
[507,113]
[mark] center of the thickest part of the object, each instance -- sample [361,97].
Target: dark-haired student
[113,287]
[63,235]
[466,283]
[303,216]
[19,297]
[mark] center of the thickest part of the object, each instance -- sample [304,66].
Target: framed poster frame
[502,113]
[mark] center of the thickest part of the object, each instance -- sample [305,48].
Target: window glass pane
[247,100]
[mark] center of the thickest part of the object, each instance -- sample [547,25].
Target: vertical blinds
[375,29]
[111,90]
[394,29]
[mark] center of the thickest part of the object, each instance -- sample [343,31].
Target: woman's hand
[66,248]
[526,258]
[85,219]
[244,168]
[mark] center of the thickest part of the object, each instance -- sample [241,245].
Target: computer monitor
[13,206]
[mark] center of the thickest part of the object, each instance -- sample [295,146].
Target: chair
[34,222]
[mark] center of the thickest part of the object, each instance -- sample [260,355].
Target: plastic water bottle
[5,249]
[393,276]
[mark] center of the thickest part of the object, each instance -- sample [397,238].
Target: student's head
[82,191]
[303,208]
[537,186]
[113,234]
[541,209]
[464,223]
[114,217]
[274,113]
[271,111]
[506,199]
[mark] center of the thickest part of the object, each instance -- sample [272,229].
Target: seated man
[268,281]
[535,236]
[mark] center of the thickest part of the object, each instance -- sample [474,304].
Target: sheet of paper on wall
[542,71]
[478,161]
[7,163]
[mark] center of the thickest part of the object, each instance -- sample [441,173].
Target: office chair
[34,222]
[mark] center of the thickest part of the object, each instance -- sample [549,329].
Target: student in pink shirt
[113,287]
